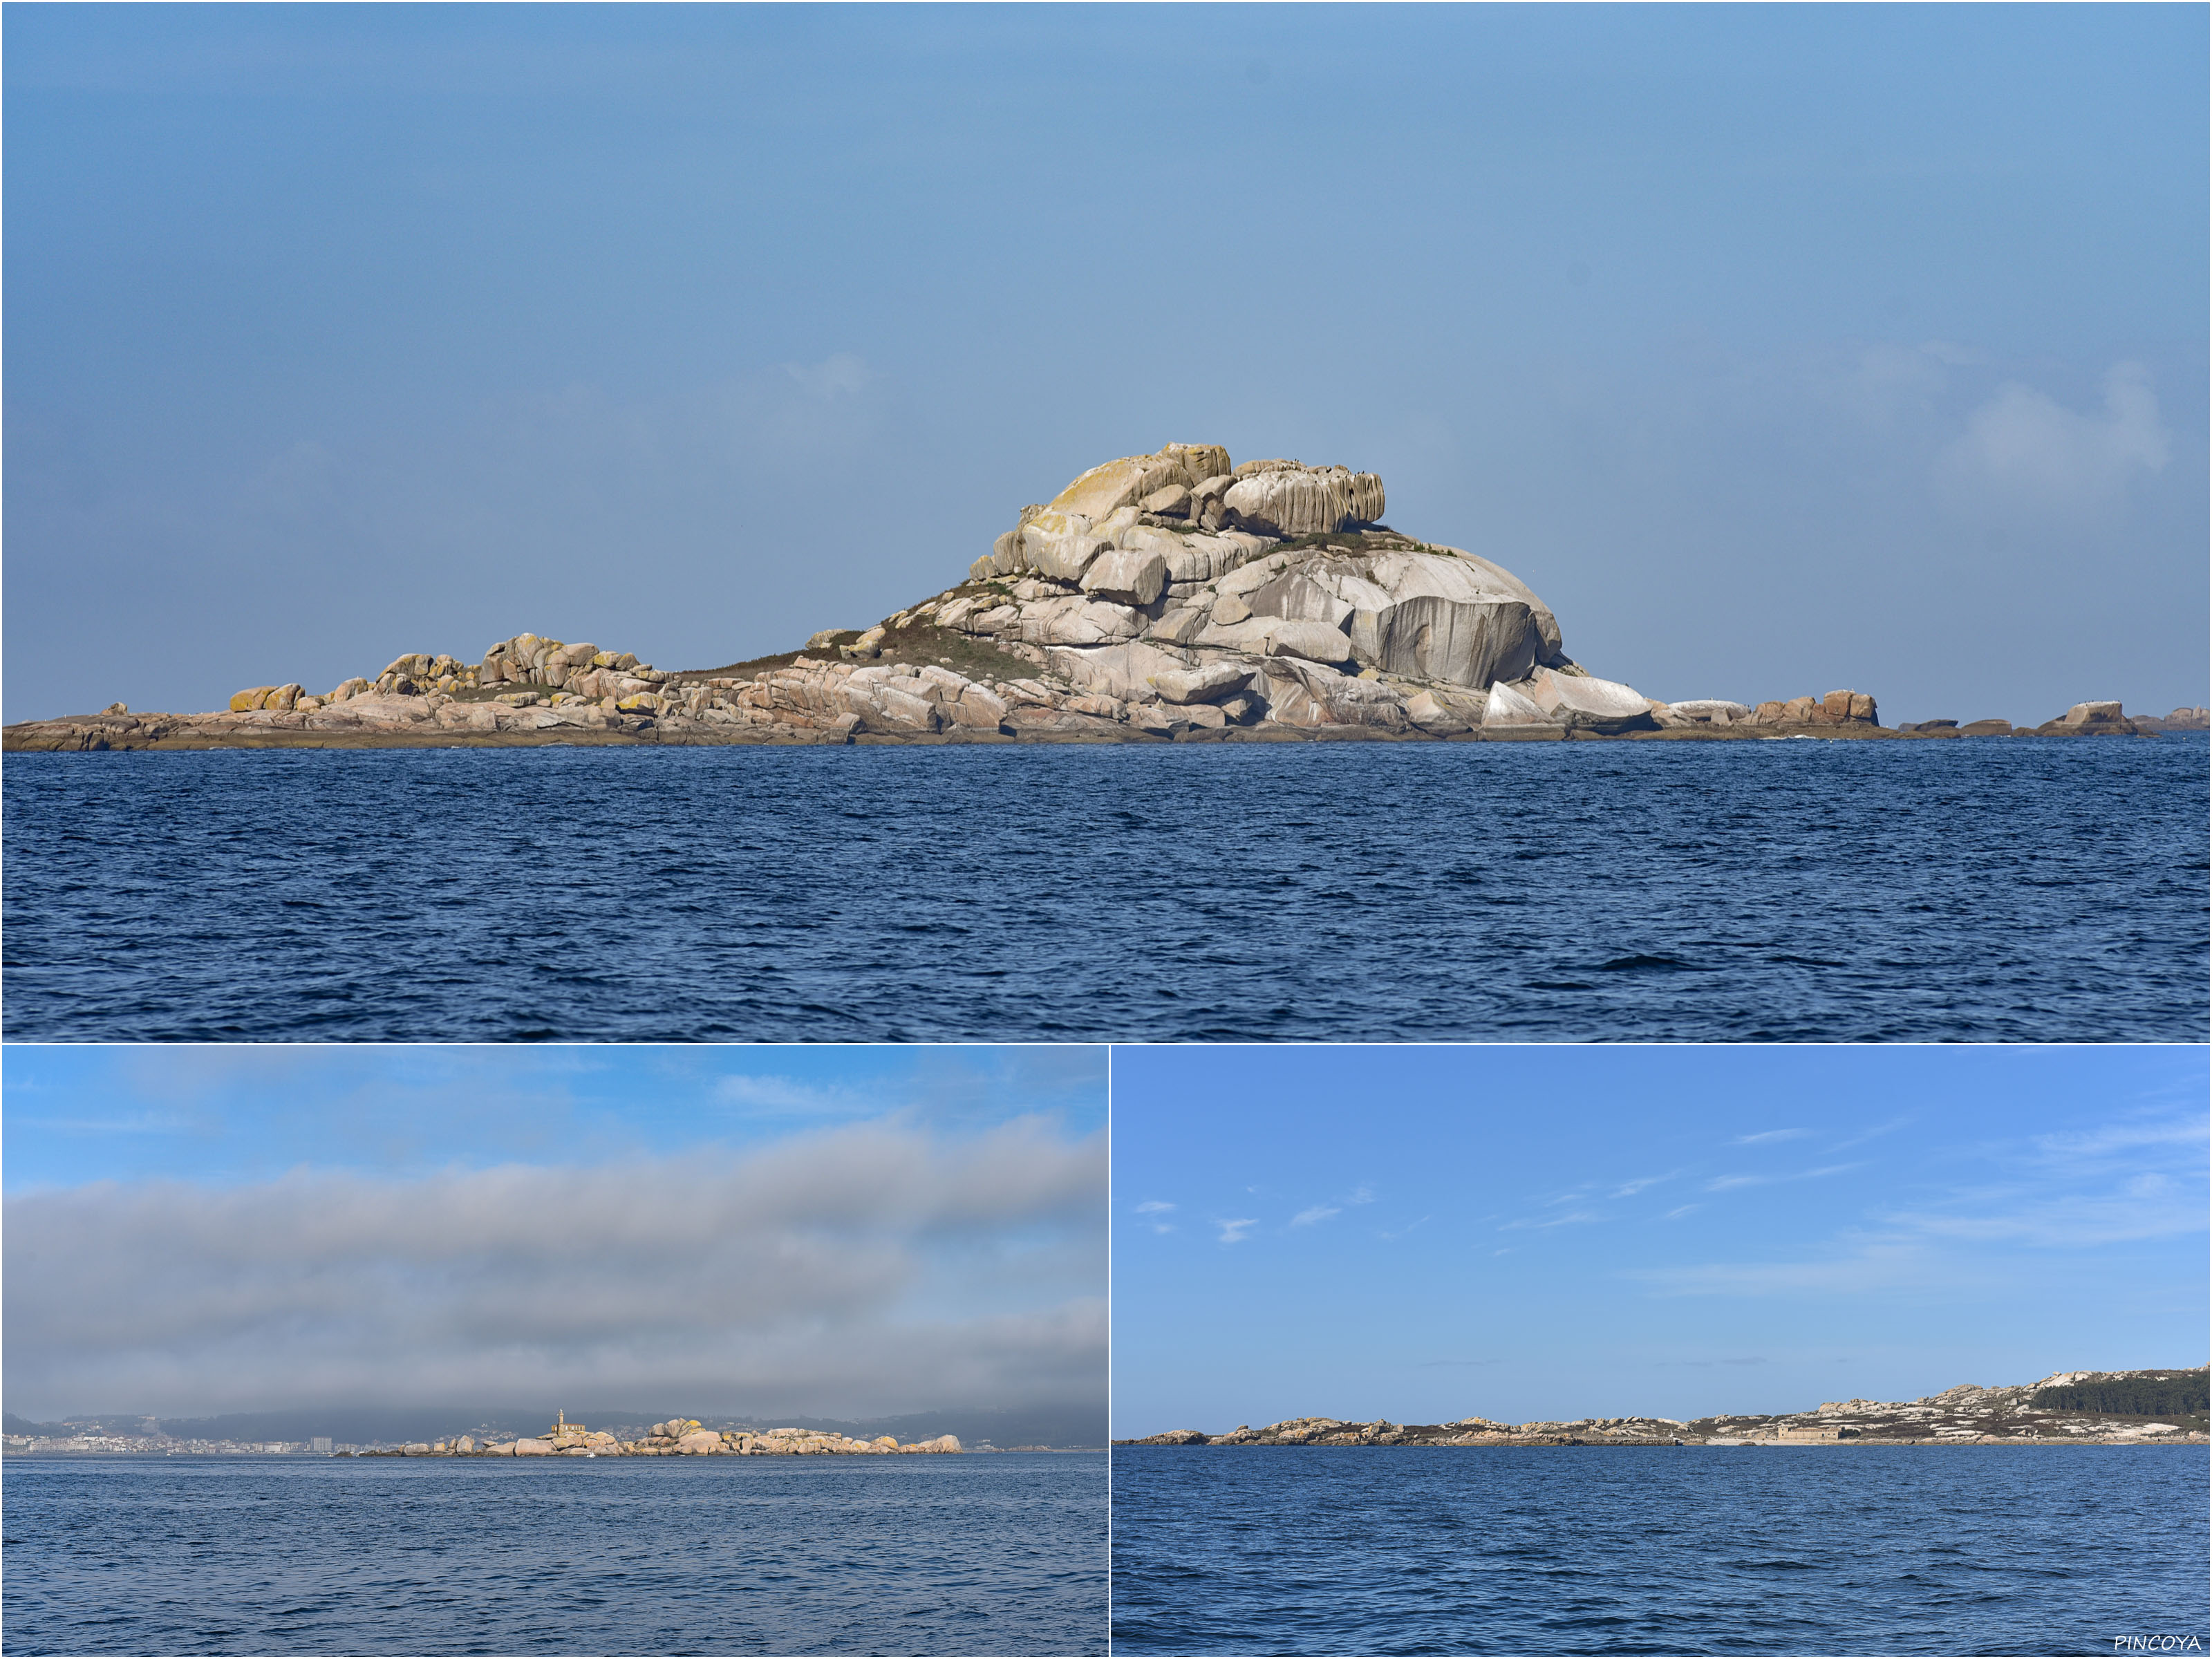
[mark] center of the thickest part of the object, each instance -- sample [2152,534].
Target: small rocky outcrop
[1835,709]
[2083,719]
[2092,720]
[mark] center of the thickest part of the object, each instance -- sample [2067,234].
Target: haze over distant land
[1777,348]
[1428,1235]
[847,1233]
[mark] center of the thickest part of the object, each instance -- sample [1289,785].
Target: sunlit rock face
[1233,567]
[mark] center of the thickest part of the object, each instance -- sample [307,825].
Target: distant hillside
[2129,1408]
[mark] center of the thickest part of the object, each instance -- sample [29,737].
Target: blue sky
[1431,1234]
[1779,348]
[222,1116]
[834,1232]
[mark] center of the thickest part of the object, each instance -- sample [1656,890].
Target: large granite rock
[1284,498]
[1129,481]
[1710,711]
[1129,576]
[1509,705]
[1581,702]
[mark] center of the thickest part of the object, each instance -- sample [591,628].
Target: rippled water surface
[2023,890]
[981,1555]
[1612,1550]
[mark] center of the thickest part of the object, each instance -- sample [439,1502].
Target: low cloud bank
[870,1271]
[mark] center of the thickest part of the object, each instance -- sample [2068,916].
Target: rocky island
[2142,1407]
[678,1438]
[1159,598]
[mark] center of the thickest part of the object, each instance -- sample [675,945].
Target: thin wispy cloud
[1154,1206]
[1748,1359]
[1768,1137]
[2125,1138]
[1730,1183]
[1572,1219]
[129,1123]
[1236,1231]
[1361,1195]
[1680,1210]
[1886,1266]
[1403,1230]
[1629,1188]
[2147,1207]
[1308,1216]
[1874,1134]
[784,1097]
[2067,1194]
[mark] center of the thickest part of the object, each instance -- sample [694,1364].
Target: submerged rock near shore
[1159,597]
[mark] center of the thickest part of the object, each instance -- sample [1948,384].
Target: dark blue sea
[2012,890]
[1615,1550]
[1001,1554]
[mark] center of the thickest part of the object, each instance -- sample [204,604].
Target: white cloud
[2022,445]
[1766,1137]
[1629,1188]
[1235,1232]
[842,374]
[1680,1210]
[1361,1195]
[1307,1216]
[1153,1206]
[783,1097]
[864,1271]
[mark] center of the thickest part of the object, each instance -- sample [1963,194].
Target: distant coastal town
[677,1437]
[2146,1407]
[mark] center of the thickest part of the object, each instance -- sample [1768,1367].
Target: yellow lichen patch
[1129,480]
[244,702]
